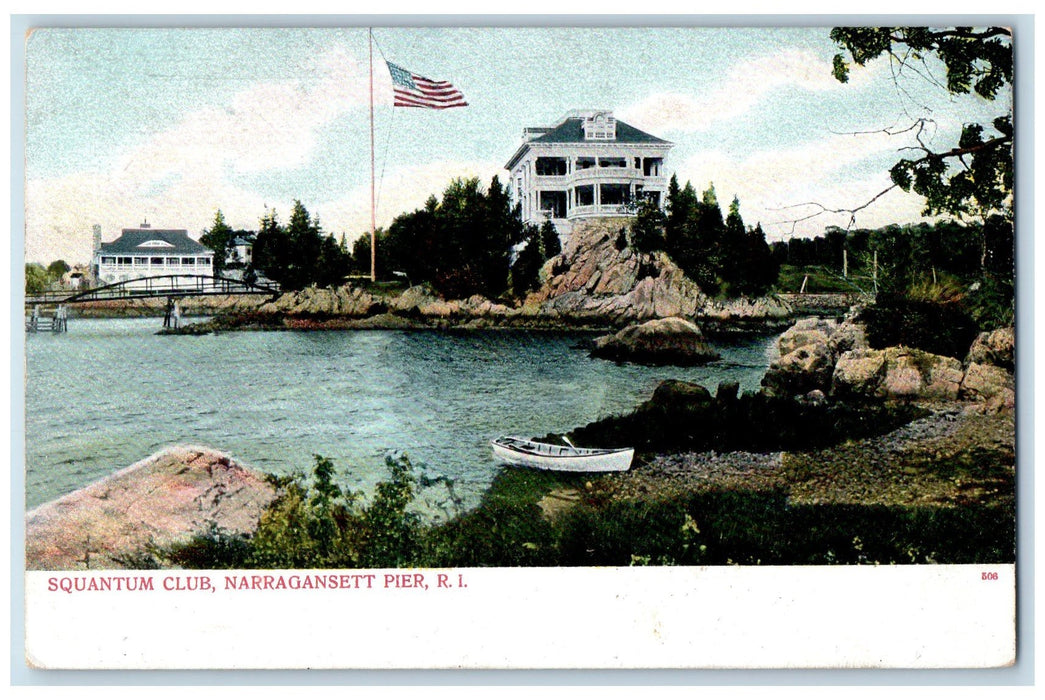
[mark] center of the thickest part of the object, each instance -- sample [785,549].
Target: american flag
[412,90]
